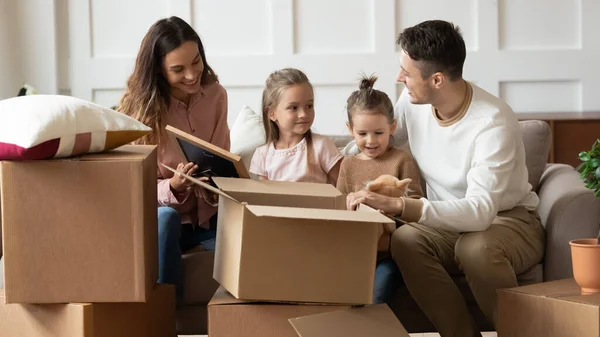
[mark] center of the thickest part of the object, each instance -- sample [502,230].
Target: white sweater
[474,166]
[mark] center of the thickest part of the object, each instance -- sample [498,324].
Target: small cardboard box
[228,316]
[156,318]
[311,252]
[80,229]
[549,309]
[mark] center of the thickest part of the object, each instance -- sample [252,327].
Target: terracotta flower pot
[585,254]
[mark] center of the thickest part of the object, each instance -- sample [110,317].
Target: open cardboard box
[549,309]
[229,316]
[285,241]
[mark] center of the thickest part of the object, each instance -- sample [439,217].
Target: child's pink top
[293,165]
[205,118]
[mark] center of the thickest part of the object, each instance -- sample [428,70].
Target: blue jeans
[173,238]
[387,280]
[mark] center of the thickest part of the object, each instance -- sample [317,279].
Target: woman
[172,84]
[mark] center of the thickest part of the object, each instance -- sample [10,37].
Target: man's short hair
[438,45]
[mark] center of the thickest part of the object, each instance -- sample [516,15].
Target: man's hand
[385,204]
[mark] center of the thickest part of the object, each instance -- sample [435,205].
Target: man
[479,216]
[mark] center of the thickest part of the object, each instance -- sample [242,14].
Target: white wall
[539,55]
[27,46]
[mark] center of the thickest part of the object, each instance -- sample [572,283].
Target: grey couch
[568,210]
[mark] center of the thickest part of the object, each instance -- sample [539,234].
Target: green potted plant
[585,253]
[589,169]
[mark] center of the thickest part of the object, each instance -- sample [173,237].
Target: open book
[212,160]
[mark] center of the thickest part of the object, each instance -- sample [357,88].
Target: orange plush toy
[392,187]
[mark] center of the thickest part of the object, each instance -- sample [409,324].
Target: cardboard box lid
[563,290]
[319,214]
[231,185]
[373,320]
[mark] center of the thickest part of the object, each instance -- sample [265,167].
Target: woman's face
[183,68]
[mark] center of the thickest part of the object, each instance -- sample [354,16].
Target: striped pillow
[56,126]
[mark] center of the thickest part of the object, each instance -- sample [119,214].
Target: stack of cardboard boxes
[291,261]
[80,247]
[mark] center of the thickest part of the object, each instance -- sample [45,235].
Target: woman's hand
[385,204]
[208,196]
[178,182]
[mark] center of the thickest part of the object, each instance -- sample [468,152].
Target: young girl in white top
[292,152]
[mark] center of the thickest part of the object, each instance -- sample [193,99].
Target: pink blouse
[205,118]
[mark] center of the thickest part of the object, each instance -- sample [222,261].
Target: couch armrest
[568,211]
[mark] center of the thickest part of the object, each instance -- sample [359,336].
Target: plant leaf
[578,168]
[597,193]
[584,156]
[598,173]
[595,162]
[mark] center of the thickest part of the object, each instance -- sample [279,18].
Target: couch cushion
[537,138]
[247,134]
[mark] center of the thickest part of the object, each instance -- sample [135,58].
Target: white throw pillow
[247,134]
[55,126]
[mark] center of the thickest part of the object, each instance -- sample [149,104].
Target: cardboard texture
[550,309]
[228,316]
[80,229]
[373,320]
[293,253]
[153,319]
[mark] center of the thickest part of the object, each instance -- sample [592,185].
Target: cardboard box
[81,229]
[373,320]
[228,316]
[312,251]
[550,309]
[153,319]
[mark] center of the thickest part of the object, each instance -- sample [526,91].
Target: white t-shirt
[293,165]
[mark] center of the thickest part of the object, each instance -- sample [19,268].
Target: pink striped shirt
[205,118]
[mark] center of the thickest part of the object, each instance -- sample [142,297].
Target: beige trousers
[490,260]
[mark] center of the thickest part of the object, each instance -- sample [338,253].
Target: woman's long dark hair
[147,95]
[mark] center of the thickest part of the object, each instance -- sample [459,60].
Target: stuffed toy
[389,185]
[392,187]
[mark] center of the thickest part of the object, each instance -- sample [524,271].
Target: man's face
[420,89]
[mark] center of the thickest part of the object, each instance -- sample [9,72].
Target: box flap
[563,290]
[200,183]
[276,187]
[223,297]
[549,289]
[126,152]
[588,299]
[318,214]
[373,320]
